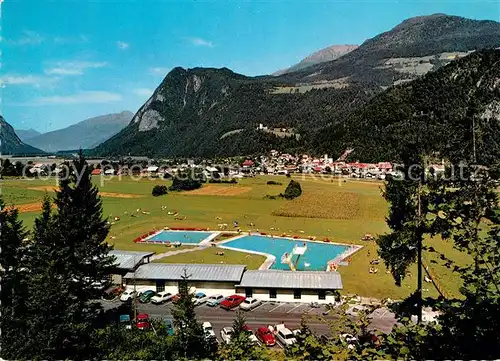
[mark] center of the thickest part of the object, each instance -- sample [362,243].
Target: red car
[232,302]
[176,298]
[142,321]
[265,336]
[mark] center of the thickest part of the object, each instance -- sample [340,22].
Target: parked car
[142,321]
[251,336]
[125,322]
[146,296]
[199,298]
[128,295]
[167,322]
[265,336]
[161,297]
[208,329]
[177,297]
[226,334]
[232,302]
[285,336]
[250,303]
[214,300]
[348,340]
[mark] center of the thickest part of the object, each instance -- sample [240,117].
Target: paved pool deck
[205,242]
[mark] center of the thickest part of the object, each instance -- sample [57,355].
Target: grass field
[208,255]
[342,211]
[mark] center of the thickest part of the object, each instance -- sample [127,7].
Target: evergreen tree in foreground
[69,254]
[13,273]
[241,346]
[190,338]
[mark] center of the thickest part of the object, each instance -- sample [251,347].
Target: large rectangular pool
[185,237]
[316,257]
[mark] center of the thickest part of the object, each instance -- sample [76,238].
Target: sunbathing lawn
[209,255]
[342,210]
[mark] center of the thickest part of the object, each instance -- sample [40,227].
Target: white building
[152,169]
[266,285]
[127,261]
[288,286]
[207,278]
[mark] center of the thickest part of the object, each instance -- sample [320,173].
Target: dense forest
[214,102]
[436,113]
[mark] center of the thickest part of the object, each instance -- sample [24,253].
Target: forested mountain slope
[10,142]
[192,112]
[435,113]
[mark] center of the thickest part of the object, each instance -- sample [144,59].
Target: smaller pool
[185,237]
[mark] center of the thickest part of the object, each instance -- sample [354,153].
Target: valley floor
[340,209]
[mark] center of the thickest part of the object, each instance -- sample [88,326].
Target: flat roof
[128,260]
[197,272]
[292,280]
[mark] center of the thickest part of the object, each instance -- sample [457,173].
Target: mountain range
[10,142]
[25,134]
[321,56]
[216,112]
[85,134]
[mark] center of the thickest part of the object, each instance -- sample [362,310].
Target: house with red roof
[248,163]
[384,167]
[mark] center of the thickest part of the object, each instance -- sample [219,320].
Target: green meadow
[337,209]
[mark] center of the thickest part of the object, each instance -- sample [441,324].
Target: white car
[226,334]
[161,297]
[253,339]
[349,340]
[286,337]
[214,300]
[208,329]
[199,298]
[251,336]
[250,303]
[128,295]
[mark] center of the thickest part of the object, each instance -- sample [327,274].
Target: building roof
[197,272]
[128,260]
[295,280]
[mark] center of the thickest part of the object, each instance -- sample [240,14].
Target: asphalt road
[264,315]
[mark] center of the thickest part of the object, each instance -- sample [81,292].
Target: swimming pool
[184,237]
[315,258]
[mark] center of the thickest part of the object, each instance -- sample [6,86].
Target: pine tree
[13,273]
[69,254]
[190,338]
[241,346]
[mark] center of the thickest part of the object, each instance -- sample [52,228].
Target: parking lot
[282,308]
[268,313]
[288,308]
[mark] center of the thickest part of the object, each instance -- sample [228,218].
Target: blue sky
[65,61]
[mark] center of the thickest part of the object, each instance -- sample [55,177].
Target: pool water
[315,258]
[192,237]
